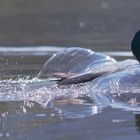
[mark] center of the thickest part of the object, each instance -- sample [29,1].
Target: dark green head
[135,45]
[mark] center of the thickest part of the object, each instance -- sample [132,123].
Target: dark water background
[102,25]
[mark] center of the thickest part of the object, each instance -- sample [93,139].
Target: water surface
[26,114]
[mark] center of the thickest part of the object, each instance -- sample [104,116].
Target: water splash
[40,91]
[111,93]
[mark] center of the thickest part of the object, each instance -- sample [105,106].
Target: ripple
[32,50]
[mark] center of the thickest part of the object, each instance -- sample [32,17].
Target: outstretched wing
[81,78]
[73,61]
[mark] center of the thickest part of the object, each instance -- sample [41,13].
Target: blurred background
[97,24]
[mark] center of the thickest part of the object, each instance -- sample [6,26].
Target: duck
[78,65]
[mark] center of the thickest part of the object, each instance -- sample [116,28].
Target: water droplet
[3,114]
[1,135]
[118,121]
[52,115]
[24,109]
[82,24]
[105,5]
[40,115]
[7,134]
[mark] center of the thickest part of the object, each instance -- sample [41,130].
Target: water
[28,110]
[25,111]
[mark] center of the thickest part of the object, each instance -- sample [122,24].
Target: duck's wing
[73,61]
[81,78]
[66,61]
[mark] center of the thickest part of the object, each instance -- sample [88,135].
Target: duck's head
[135,45]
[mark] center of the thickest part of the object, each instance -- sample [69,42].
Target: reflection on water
[21,121]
